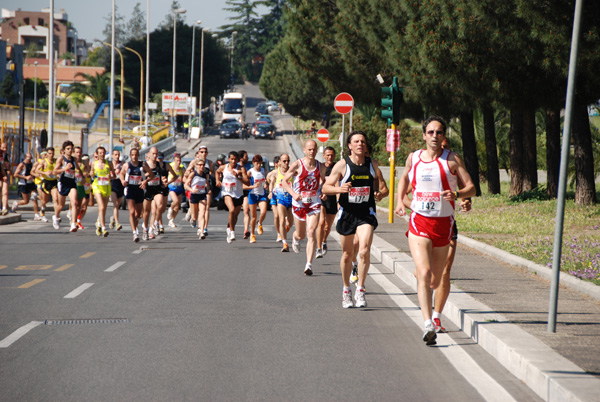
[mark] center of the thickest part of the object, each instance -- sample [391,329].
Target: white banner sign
[181,103]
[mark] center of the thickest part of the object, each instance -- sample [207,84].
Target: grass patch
[524,226]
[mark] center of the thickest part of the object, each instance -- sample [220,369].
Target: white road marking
[114,266]
[138,251]
[78,291]
[15,336]
[489,388]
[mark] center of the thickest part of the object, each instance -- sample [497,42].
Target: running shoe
[285,248]
[98,231]
[359,296]
[59,219]
[188,216]
[205,232]
[145,235]
[112,222]
[319,253]
[80,226]
[347,299]
[354,274]
[278,238]
[198,232]
[15,204]
[55,223]
[437,323]
[246,235]
[172,223]
[104,232]
[42,211]
[260,229]
[170,214]
[308,269]
[161,229]
[4,211]
[252,239]
[73,227]
[287,227]
[324,248]
[37,218]
[229,240]
[193,224]
[118,226]
[151,234]
[295,245]
[44,219]
[202,236]
[232,233]
[69,215]
[429,335]
[136,238]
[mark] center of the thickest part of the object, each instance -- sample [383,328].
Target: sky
[88,16]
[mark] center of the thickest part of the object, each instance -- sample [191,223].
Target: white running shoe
[73,227]
[15,204]
[347,299]
[37,218]
[44,219]
[359,296]
[324,248]
[145,235]
[172,223]
[319,253]
[278,238]
[295,245]
[188,216]
[429,335]
[55,223]
[232,235]
[112,222]
[229,236]
[354,274]
[308,269]
[136,238]
[170,213]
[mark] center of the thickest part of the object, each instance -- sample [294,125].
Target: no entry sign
[343,103]
[323,135]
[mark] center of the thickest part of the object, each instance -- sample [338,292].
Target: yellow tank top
[102,175]
[38,180]
[279,181]
[177,171]
[47,172]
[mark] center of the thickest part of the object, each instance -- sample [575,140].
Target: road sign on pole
[323,135]
[343,103]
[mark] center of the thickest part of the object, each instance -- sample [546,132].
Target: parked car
[272,106]
[265,117]
[261,108]
[230,130]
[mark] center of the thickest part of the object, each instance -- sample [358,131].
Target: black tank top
[360,200]
[135,171]
[68,177]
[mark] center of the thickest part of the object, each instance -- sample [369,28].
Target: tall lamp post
[35,64]
[232,48]
[51,80]
[122,93]
[141,81]
[147,64]
[192,75]
[201,80]
[175,12]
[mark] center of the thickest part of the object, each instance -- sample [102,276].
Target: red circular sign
[323,135]
[343,103]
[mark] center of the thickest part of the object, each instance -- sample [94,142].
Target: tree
[7,90]
[30,85]
[95,86]
[77,99]
[136,27]
[167,22]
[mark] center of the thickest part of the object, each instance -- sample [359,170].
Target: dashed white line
[15,336]
[114,266]
[78,291]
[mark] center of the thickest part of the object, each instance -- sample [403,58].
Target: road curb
[551,376]
[10,218]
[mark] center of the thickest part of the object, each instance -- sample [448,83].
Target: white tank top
[231,185]
[428,180]
[258,176]
[307,185]
[198,184]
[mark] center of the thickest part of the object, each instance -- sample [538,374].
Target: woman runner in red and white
[432,173]
[309,176]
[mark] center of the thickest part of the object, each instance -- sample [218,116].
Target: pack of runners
[307,194]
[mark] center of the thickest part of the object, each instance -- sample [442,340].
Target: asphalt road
[176,318]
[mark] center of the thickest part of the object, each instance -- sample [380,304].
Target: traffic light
[391,98]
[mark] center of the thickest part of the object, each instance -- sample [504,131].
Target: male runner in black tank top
[359,179]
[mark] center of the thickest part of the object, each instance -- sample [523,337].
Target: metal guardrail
[166,146]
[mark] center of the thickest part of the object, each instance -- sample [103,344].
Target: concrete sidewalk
[504,308]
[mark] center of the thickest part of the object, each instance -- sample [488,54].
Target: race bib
[69,174]
[154,182]
[78,177]
[199,189]
[428,201]
[135,180]
[358,195]
[230,187]
[86,186]
[178,182]
[308,197]
[103,181]
[51,176]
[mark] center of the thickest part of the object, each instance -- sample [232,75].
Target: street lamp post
[175,12]
[232,48]
[122,94]
[35,64]
[111,122]
[141,80]
[201,80]
[51,80]
[192,76]
[147,64]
